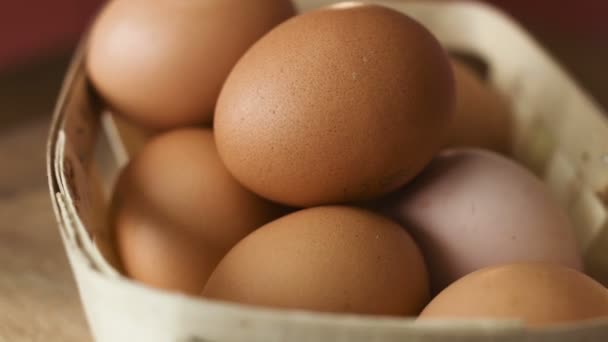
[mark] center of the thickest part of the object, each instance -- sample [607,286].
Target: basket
[560,134]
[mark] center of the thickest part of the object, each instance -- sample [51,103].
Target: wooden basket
[560,134]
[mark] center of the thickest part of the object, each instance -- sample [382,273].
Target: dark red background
[29,28]
[575,32]
[32,27]
[571,18]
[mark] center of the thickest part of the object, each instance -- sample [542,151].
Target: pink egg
[472,208]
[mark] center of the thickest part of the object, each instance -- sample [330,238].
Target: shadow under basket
[559,133]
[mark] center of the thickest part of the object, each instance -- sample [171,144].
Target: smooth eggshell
[162,63]
[331,259]
[335,105]
[482,117]
[177,211]
[472,208]
[539,294]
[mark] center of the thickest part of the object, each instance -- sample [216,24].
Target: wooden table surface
[38,297]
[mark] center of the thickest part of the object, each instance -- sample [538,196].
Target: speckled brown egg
[177,211]
[538,294]
[340,104]
[162,63]
[472,209]
[329,259]
[482,117]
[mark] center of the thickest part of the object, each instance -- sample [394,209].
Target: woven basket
[560,134]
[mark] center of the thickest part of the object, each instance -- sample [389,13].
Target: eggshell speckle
[332,259]
[335,105]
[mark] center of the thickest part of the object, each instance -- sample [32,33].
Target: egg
[473,208]
[177,211]
[482,117]
[328,259]
[473,61]
[536,293]
[336,105]
[162,63]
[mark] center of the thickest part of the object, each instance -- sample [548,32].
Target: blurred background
[37,38]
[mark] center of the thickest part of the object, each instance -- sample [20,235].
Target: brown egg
[474,62]
[335,105]
[482,117]
[177,211]
[472,208]
[539,294]
[331,259]
[162,63]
